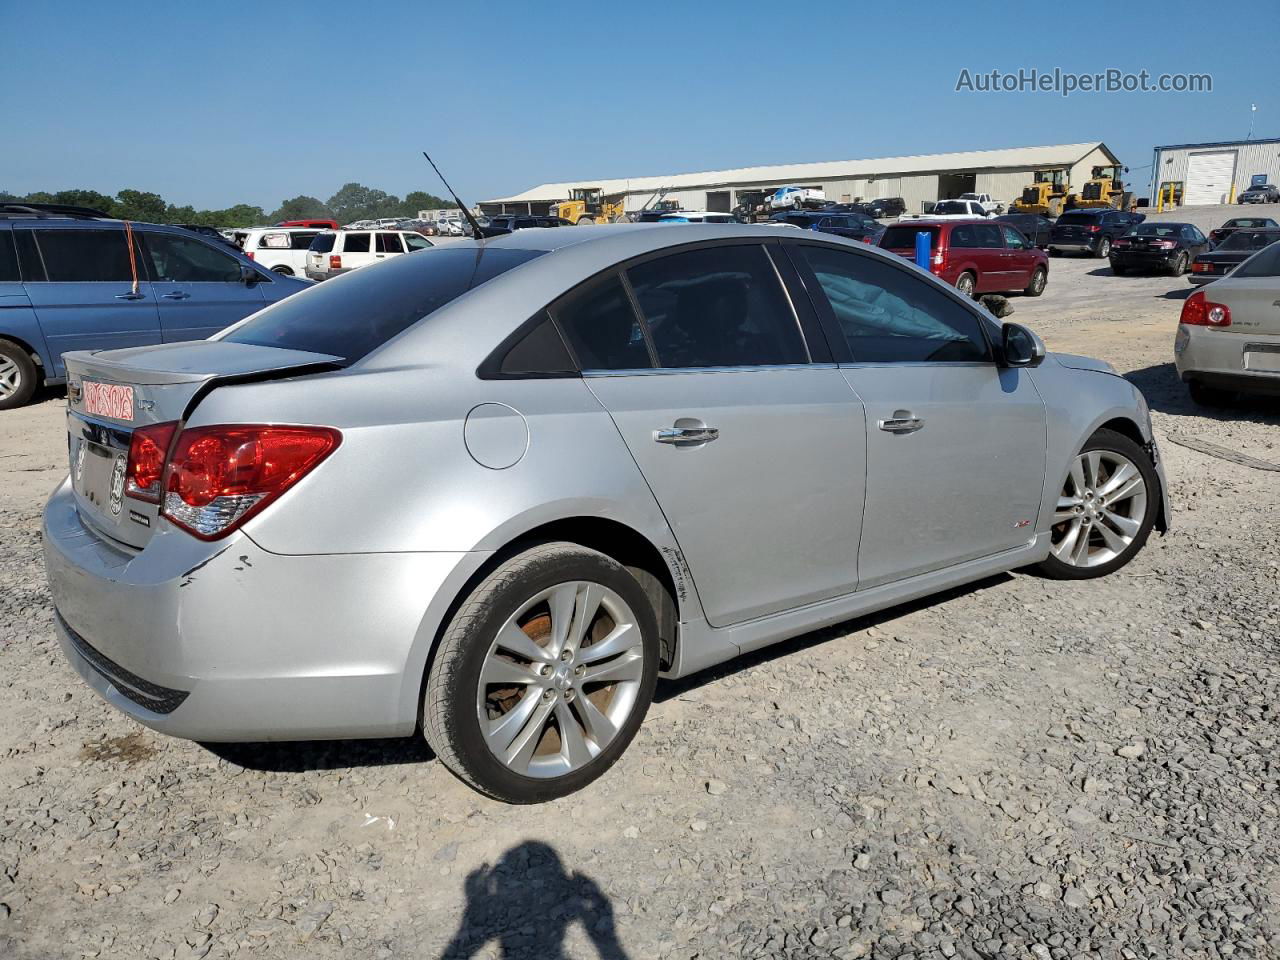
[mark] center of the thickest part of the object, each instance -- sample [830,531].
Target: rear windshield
[322,242]
[354,314]
[1249,240]
[1067,219]
[1249,222]
[904,237]
[1156,230]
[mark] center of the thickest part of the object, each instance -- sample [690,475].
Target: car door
[82,285]
[198,287]
[755,453]
[388,245]
[1196,242]
[955,444]
[994,266]
[357,249]
[1021,261]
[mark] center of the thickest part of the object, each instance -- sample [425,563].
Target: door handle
[686,435]
[129,296]
[176,295]
[901,422]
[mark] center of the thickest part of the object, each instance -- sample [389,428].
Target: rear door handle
[129,296]
[686,435]
[901,424]
[176,295]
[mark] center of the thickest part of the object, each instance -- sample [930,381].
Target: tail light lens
[1198,267]
[218,477]
[335,262]
[1165,244]
[249,254]
[1122,242]
[148,448]
[1094,228]
[1199,311]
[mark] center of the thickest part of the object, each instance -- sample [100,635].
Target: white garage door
[1209,177]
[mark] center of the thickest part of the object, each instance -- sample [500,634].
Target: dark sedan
[855,226]
[1260,193]
[1217,235]
[1237,248]
[1033,226]
[1158,246]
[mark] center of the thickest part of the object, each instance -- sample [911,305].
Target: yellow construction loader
[589,205]
[1046,195]
[1105,188]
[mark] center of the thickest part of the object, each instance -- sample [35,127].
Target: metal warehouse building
[1001,173]
[1208,171]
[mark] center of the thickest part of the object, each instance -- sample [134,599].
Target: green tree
[138,205]
[416,200]
[355,201]
[302,207]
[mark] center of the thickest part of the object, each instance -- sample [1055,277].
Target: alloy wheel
[10,377]
[560,679]
[1100,510]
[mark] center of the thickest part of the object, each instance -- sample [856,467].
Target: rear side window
[187,260]
[887,315]
[85,256]
[322,242]
[356,313]
[717,307]
[356,243]
[602,328]
[539,352]
[8,258]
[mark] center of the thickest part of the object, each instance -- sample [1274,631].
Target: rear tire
[509,652]
[1038,278]
[967,285]
[1179,266]
[1112,508]
[283,271]
[17,375]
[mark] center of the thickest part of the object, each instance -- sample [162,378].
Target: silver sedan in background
[494,490]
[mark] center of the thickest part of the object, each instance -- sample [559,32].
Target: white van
[338,251]
[279,249]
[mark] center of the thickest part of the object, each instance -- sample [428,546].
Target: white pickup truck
[796,198]
[952,210]
[988,203]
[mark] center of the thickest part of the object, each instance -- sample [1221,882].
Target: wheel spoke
[504,730]
[1066,509]
[629,666]
[1126,525]
[1092,468]
[1062,549]
[499,670]
[520,750]
[598,726]
[1113,540]
[588,603]
[564,600]
[573,745]
[515,640]
[1080,552]
[1133,486]
[1077,476]
[622,637]
[1125,472]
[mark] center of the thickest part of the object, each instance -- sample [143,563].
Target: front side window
[887,315]
[415,242]
[717,307]
[602,328]
[86,256]
[1013,239]
[182,260]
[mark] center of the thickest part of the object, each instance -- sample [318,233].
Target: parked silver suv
[495,489]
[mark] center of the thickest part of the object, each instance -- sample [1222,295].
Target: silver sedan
[492,491]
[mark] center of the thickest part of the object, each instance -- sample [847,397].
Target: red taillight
[1094,228]
[335,262]
[217,477]
[1198,267]
[249,254]
[1165,244]
[1122,242]
[1197,311]
[147,449]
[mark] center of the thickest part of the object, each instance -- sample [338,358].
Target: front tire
[543,676]
[17,375]
[1104,248]
[1106,509]
[283,271]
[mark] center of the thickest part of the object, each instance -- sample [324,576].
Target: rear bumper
[225,641]
[1074,246]
[1148,259]
[1217,358]
[1200,279]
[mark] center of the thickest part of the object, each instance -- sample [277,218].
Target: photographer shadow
[526,902]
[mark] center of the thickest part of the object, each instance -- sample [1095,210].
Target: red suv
[975,256]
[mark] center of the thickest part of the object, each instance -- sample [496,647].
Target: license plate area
[98,454]
[113,400]
[1263,357]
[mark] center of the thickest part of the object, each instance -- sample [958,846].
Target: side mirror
[1020,347]
[249,276]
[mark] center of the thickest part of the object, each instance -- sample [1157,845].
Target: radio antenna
[475,225]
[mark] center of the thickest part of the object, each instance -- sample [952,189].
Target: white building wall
[1004,186]
[1251,158]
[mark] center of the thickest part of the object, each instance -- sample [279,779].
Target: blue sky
[217,103]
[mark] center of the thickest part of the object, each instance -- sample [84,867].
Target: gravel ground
[1020,768]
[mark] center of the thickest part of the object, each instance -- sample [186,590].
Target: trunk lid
[1255,308]
[112,393]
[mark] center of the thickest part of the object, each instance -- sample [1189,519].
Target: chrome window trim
[651,371]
